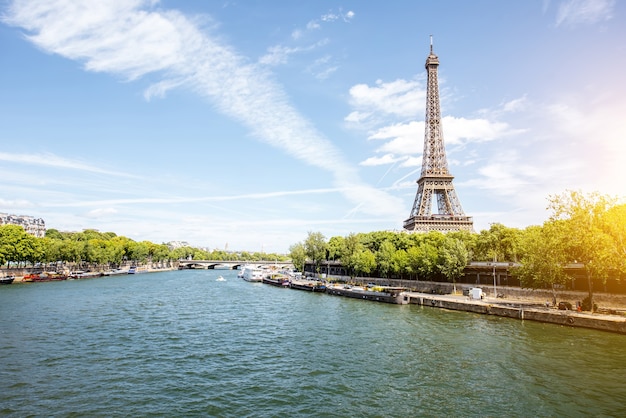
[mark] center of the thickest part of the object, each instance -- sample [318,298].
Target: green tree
[52,249]
[16,245]
[384,258]
[413,255]
[54,234]
[297,253]
[586,240]
[315,247]
[139,251]
[160,252]
[498,243]
[10,237]
[336,247]
[423,260]
[614,224]
[400,262]
[545,256]
[364,262]
[453,259]
[181,253]
[351,248]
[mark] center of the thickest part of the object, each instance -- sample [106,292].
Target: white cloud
[412,162]
[399,98]
[515,105]
[313,25]
[408,138]
[100,213]
[383,160]
[131,39]
[462,130]
[575,143]
[581,12]
[402,139]
[331,16]
[10,204]
[357,117]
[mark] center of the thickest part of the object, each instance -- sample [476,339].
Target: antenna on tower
[431,44]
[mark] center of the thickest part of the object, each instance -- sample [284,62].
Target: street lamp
[495,293]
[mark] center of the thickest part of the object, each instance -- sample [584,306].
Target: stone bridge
[228,265]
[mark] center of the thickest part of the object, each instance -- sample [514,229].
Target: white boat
[115,272]
[252,274]
[220,279]
[80,274]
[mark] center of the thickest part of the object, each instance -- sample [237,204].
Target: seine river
[181,343]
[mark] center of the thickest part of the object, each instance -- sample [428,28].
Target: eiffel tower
[435,178]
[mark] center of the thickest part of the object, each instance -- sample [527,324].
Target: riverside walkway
[521,309]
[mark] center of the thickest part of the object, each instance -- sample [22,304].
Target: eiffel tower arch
[435,179]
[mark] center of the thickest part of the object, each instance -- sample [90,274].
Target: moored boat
[252,274]
[33,277]
[43,277]
[308,285]
[115,272]
[80,274]
[50,276]
[137,270]
[276,279]
[7,279]
[377,293]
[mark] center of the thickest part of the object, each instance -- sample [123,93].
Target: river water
[181,343]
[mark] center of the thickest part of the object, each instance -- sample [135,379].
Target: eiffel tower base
[441,223]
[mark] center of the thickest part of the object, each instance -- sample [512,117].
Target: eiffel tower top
[432,59]
[434,161]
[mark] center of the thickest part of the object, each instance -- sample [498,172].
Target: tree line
[588,230]
[100,249]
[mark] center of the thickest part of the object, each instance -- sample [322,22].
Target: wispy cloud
[134,38]
[10,204]
[279,54]
[101,213]
[51,160]
[382,160]
[331,16]
[315,24]
[584,12]
[177,200]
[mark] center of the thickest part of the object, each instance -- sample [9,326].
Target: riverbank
[607,302]
[509,302]
[19,279]
[523,310]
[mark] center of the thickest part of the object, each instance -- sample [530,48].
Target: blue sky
[246,124]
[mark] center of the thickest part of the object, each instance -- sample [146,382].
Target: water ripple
[182,344]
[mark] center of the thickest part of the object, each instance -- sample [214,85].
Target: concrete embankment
[521,310]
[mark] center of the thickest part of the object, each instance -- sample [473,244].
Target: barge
[385,294]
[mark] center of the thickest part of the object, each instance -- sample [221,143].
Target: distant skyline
[246,124]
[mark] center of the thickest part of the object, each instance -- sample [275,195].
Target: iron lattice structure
[435,178]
